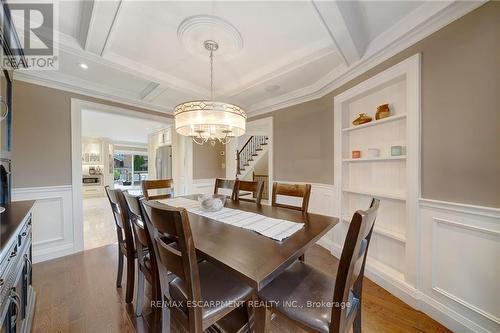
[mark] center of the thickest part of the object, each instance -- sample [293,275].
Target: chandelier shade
[210,120]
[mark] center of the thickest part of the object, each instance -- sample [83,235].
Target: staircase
[249,154]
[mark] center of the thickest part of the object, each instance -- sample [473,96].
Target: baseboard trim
[52,252]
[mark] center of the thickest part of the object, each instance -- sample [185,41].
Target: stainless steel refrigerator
[164,162]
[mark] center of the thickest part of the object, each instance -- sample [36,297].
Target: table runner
[267,226]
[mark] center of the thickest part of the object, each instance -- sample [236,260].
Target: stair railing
[248,152]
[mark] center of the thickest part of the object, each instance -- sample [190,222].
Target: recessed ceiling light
[84,66]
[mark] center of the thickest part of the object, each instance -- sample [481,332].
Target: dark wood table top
[252,257]
[10,220]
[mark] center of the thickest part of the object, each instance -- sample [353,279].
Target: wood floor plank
[77,294]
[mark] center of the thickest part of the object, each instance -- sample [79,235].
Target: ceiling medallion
[195,30]
[210,120]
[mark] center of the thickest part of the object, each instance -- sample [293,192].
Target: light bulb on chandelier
[210,120]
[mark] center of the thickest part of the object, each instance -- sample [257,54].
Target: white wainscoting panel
[52,220]
[459,265]
[460,261]
[203,186]
[322,201]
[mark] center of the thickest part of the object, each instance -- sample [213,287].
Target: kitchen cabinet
[92,151]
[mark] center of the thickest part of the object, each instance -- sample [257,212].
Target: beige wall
[41,153]
[262,166]
[460,116]
[207,161]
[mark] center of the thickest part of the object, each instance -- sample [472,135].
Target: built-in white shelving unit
[392,179]
[375,159]
[375,193]
[375,123]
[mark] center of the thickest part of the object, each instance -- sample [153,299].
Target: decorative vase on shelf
[363,118]
[383,111]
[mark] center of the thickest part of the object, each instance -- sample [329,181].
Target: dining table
[249,256]
[253,258]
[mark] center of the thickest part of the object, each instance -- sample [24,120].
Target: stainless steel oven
[91,180]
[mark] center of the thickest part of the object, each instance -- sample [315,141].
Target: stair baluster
[247,153]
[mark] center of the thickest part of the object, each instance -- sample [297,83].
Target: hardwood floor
[77,294]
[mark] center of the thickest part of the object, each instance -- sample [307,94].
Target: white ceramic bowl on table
[212,202]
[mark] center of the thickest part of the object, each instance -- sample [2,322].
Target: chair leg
[250,318]
[130,279]
[356,325]
[165,319]
[120,269]
[139,301]
[262,318]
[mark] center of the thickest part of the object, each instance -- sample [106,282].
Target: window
[130,169]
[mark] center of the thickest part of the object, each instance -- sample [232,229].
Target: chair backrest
[136,219]
[160,184]
[181,261]
[292,190]
[349,279]
[249,186]
[224,183]
[120,213]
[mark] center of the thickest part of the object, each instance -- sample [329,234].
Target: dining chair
[292,190]
[125,237]
[301,283]
[256,187]
[146,261]
[224,184]
[213,291]
[157,185]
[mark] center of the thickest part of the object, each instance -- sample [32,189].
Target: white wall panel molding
[459,260]
[322,201]
[203,186]
[460,273]
[52,220]
[461,208]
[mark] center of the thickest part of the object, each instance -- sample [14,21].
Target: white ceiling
[117,128]
[272,53]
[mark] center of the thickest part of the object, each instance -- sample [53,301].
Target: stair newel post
[238,165]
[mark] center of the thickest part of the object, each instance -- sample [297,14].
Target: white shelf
[383,232]
[375,159]
[375,122]
[386,195]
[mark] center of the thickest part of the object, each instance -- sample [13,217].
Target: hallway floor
[98,223]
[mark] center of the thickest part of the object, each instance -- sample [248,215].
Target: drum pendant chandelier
[210,120]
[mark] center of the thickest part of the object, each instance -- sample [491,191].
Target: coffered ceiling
[271,53]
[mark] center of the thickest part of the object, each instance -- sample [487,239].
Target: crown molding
[69,45]
[85,89]
[408,31]
[441,16]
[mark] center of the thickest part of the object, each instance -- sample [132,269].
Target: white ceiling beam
[100,24]
[344,24]
[84,24]
[152,91]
